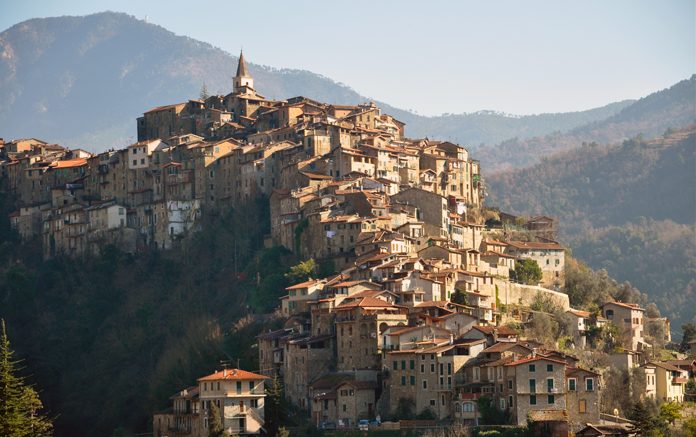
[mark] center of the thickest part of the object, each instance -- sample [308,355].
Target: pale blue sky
[433,56]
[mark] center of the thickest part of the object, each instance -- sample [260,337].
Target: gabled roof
[579,313]
[68,163]
[503,346]
[632,306]
[365,302]
[534,245]
[572,371]
[665,366]
[533,359]
[233,375]
[305,284]
[501,330]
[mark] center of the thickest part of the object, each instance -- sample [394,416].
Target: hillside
[82,81]
[629,208]
[649,116]
[108,339]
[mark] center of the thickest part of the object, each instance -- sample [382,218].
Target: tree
[690,426]
[404,409]
[302,271]
[276,412]
[527,272]
[20,405]
[645,423]
[217,429]
[458,297]
[490,414]
[670,412]
[204,92]
[689,331]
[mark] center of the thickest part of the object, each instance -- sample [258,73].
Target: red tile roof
[532,359]
[305,284]
[365,302]
[69,163]
[233,375]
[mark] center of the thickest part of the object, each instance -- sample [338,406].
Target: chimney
[534,352]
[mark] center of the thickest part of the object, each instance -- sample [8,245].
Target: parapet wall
[520,294]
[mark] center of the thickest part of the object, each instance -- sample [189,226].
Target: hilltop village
[419,320]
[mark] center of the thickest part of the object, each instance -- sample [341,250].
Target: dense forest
[650,116]
[108,339]
[628,208]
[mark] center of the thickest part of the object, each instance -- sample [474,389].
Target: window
[422,368]
[218,385]
[551,400]
[403,380]
[396,365]
[572,383]
[509,384]
[532,400]
[403,364]
[582,406]
[254,403]
[502,404]
[251,385]
[239,387]
[412,364]
[468,407]
[425,384]
[205,386]
[549,385]
[532,385]
[344,407]
[413,380]
[532,367]
[549,367]
[432,368]
[589,384]
[510,401]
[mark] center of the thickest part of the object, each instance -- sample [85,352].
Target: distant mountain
[649,116]
[82,81]
[628,208]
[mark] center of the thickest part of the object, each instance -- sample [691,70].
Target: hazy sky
[432,56]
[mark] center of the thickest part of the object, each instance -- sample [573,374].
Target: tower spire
[242,79]
[241,66]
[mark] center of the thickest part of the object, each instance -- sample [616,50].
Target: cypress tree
[19,403]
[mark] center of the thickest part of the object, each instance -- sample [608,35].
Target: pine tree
[215,422]
[644,421]
[204,92]
[275,412]
[19,402]
[458,297]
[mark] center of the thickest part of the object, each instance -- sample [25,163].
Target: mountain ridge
[629,208]
[54,71]
[650,116]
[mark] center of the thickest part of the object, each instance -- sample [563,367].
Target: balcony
[679,380]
